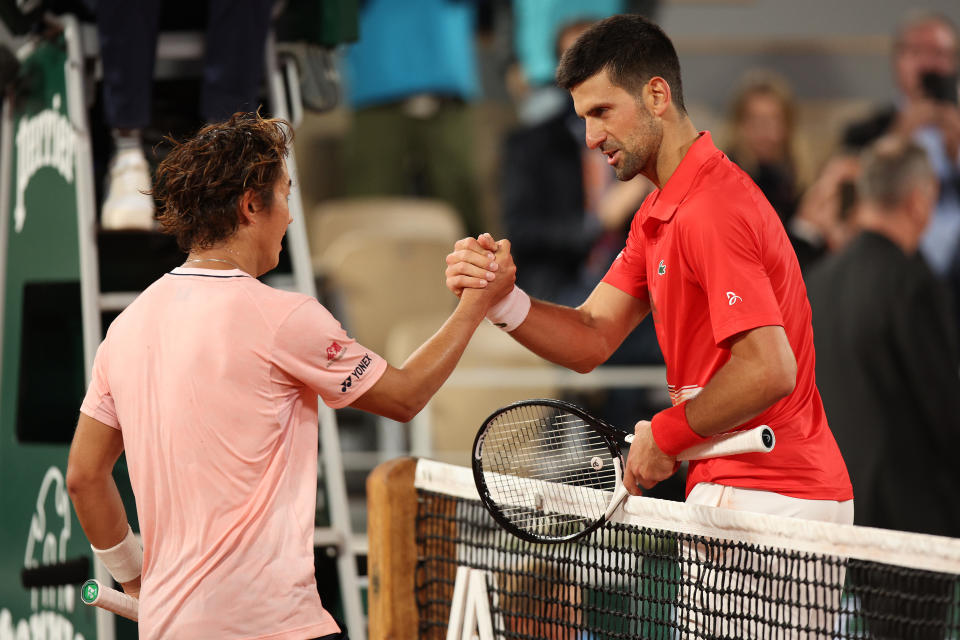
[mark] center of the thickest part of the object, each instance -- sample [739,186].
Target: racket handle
[757,440]
[95,594]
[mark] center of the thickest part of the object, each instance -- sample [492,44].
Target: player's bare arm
[585,337]
[761,370]
[402,392]
[93,453]
[577,338]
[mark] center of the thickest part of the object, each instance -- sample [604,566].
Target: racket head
[545,471]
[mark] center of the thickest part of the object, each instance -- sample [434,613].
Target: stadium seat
[406,216]
[378,277]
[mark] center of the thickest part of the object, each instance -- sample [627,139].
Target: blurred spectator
[762,139]
[887,353]
[537,24]
[825,217]
[925,64]
[232,74]
[411,78]
[887,370]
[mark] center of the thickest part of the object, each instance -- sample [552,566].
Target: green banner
[42,375]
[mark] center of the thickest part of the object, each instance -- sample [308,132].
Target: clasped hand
[476,262]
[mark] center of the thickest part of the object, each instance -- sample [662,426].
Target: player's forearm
[99,509]
[742,389]
[564,336]
[427,368]
[102,517]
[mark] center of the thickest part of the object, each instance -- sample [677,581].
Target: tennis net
[667,570]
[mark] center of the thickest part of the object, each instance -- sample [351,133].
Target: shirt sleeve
[98,403]
[312,348]
[724,254]
[629,269]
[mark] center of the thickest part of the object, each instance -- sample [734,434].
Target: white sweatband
[509,313]
[124,560]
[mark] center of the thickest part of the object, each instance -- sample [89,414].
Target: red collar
[677,186]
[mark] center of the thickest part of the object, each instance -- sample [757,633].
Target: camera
[940,87]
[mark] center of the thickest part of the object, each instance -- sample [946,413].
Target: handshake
[484,267]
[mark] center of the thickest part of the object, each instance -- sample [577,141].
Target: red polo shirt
[714,260]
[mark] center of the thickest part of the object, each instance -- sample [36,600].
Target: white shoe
[126,206]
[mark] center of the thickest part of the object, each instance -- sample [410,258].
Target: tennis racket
[547,471]
[122,604]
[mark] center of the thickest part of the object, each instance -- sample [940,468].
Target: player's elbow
[405,411]
[584,366]
[589,360]
[592,359]
[409,402]
[398,395]
[78,478]
[780,377]
[403,407]
[400,410]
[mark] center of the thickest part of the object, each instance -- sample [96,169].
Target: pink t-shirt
[213,379]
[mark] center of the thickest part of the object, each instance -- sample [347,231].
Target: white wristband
[124,560]
[509,313]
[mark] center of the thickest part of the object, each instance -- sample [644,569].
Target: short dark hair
[201,181]
[630,48]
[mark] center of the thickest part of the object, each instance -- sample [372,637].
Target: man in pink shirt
[209,383]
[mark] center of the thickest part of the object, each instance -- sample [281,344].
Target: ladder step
[330,537]
[117,300]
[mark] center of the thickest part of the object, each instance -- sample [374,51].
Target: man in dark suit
[887,359]
[887,369]
[926,61]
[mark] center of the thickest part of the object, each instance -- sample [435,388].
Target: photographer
[925,66]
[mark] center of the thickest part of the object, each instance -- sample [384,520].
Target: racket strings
[552,454]
[549,454]
[550,472]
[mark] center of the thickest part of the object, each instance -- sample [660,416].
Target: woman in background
[761,129]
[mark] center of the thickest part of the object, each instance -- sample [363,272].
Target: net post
[392,560]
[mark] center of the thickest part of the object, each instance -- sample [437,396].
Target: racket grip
[95,594]
[757,440]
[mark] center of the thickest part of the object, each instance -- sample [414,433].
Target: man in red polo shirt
[709,257]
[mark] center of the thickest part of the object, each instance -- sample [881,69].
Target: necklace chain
[232,264]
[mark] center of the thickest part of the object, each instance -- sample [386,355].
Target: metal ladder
[283,91]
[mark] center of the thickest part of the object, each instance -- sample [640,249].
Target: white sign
[44,140]
[46,544]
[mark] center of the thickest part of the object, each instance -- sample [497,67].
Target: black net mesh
[628,582]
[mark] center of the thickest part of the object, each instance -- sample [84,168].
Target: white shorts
[718,495]
[732,591]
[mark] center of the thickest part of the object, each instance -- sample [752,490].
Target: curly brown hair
[200,182]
